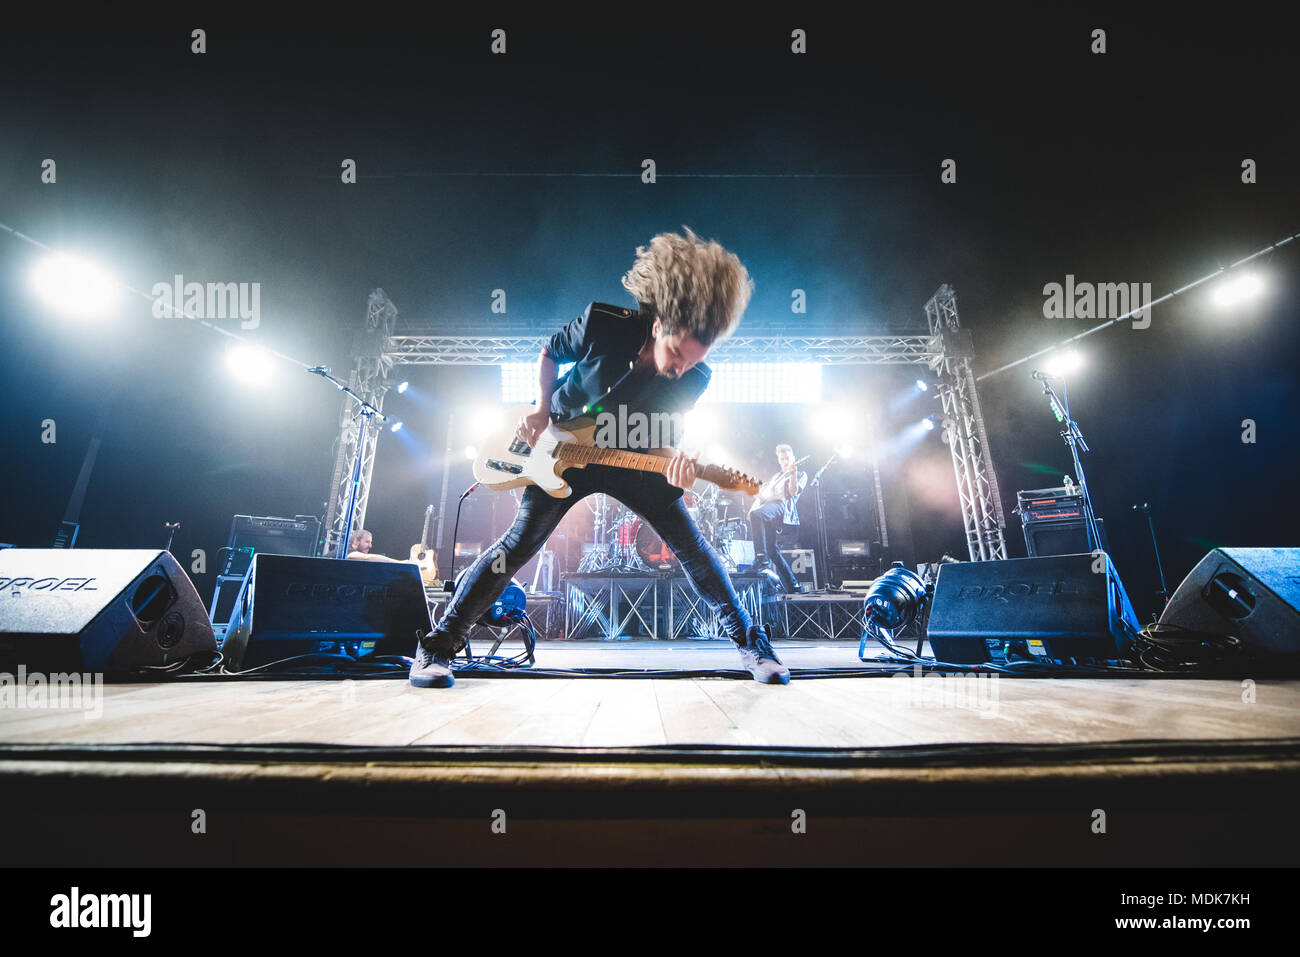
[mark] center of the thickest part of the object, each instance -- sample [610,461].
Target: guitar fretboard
[619,458]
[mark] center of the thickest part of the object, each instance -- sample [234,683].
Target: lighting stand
[1145,509]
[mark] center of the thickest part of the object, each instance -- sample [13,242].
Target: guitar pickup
[519,447]
[504,466]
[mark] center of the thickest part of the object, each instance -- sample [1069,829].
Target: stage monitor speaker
[97,610]
[1250,593]
[1052,608]
[300,606]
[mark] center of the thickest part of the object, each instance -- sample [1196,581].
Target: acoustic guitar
[422,553]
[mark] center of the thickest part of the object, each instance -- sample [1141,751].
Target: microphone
[1041,376]
[802,461]
[319,370]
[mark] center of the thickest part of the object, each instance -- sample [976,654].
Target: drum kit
[625,542]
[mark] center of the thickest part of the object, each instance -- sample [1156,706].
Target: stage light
[1238,288]
[832,421]
[75,286]
[928,424]
[249,364]
[922,385]
[700,426]
[718,455]
[519,381]
[402,387]
[396,426]
[893,601]
[471,452]
[845,451]
[487,419]
[1063,363]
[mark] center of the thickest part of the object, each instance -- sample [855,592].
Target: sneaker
[430,668]
[760,660]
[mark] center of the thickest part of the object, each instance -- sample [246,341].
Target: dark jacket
[603,344]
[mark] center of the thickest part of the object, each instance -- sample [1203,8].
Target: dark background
[225,167]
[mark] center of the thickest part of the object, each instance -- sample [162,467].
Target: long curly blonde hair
[694,286]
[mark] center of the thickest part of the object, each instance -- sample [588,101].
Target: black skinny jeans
[646,493]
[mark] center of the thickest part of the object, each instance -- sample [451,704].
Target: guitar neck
[618,458]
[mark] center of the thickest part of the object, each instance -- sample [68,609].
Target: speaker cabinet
[292,606]
[803,564]
[1030,608]
[1250,593]
[1044,539]
[97,610]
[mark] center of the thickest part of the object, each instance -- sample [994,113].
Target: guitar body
[505,461]
[422,553]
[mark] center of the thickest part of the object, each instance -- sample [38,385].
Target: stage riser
[668,607]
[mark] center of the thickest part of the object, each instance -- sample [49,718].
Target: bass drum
[652,550]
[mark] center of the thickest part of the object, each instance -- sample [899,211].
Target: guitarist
[777,505]
[690,294]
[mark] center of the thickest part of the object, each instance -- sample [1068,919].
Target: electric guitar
[422,554]
[505,460]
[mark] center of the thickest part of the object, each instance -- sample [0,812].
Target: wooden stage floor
[848,712]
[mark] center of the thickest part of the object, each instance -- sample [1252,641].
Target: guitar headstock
[732,480]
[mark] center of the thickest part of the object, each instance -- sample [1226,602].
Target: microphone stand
[1145,509]
[1074,439]
[821,522]
[365,412]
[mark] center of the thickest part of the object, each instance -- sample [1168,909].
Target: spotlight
[249,364]
[75,286]
[845,451]
[396,426]
[700,426]
[832,421]
[922,385]
[487,420]
[471,453]
[893,601]
[928,424]
[402,387]
[1238,288]
[1063,363]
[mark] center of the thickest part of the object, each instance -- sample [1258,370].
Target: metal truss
[828,350]
[945,350]
[368,378]
[977,483]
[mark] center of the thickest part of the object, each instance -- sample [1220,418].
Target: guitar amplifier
[1053,522]
[1063,504]
[253,534]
